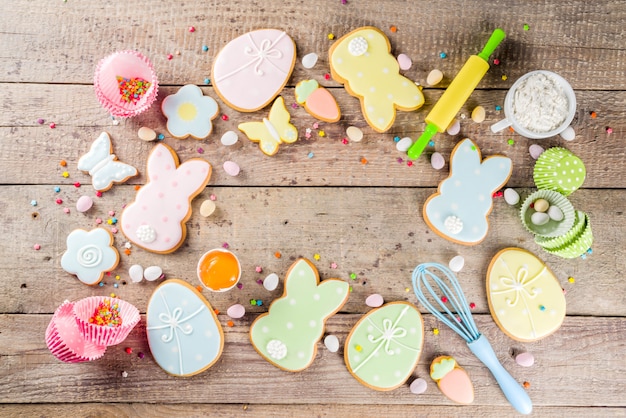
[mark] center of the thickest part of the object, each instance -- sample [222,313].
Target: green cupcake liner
[559,170]
[580,221]
[552,228]
[578,246]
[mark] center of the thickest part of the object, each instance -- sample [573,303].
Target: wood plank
[193,410]
[585,347]
[80,120]
[345,226]
[62,43]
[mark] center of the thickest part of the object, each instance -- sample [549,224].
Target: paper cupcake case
[559,170]
[552,228]
[580,223]
[133,68]
[578,247]
[102,334]
[66,342]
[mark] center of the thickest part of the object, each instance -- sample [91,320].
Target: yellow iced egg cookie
[525,298]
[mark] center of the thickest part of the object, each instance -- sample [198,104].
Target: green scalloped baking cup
[552,228]
[578,246]
[581,219]
[559,170]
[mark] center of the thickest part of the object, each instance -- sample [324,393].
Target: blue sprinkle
[57,189]
[431,143]
[259,302]
[589,251]
[498,108]
[542,308]
[310,155]
[113,221]
[33,202]
[207,81]
[116,285]
[443,55]
[161,137]
[101,284]
[205,48]
[396,139]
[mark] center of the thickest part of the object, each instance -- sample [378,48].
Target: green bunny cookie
[287,335]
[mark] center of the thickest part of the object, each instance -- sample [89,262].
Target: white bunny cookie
[156,219]
[459,209]
[362,61]
[287,335]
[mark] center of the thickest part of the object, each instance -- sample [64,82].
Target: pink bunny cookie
[458,211]
[155,221]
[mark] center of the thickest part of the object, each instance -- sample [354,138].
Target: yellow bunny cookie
[362,61]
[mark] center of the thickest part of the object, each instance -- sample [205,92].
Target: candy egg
[434,77]
[418,386]
[229,138]
[535,151]
[231,168]
[457,263]
[555,213]
[525,359]
[539,218]
[309,60]
[511,196]
[236,311]
[541,205]
[152,273]
[271,282]
[404,61]
[219,270]
[354,134]
[404,144]
[454,128]
[332,343]
[437,161]
[207,208]
[374,301]
[478,114]
[146,134]
[136,273]
[84,203]
[568,134]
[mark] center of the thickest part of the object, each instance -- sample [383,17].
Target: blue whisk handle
[513,392]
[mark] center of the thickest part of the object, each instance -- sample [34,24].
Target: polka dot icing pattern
[189,112]
[525,298]
[103,166]
[466,195]
[156,219]
[384,347]
[184,334]
[287,335]
[252,69]
[362,61]
[89,255]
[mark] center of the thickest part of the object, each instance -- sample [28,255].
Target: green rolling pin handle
[496,37]
[418,147]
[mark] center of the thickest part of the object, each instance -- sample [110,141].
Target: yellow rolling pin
[456,94]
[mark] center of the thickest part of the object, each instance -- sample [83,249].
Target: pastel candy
[287,335]
[152,273]
[309,60]
[252,69]
[136,273]
[184,334]
[404,144]
[384,347]
[466,195]
[236,311]
[84,203]
[525,298]
[332,343]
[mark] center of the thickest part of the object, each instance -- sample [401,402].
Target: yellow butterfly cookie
[362,61]
[273,130]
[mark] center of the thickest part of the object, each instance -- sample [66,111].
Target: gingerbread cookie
[288,334]
[361,60]
[458,211]
[155,221]
[251,70]
[384,347]
[102,164]
[184,334]
[273,130]
[189,113]
[90,254]
[452,380]
[525,298]
[317,101]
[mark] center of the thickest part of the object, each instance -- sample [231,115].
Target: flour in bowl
[540,104]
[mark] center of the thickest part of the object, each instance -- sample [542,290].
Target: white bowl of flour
[540,104]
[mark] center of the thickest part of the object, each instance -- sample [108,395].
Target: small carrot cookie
[90,254]
[362,61]
[317,101]
[184,334]
[273,130]
[102,164]
[384,347]
[452,380]
[252,69]
[189,113]
[288,334]
[155,221]
[458,211]
[525,298]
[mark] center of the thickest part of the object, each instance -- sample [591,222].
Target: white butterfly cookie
[102,164]
[273,130]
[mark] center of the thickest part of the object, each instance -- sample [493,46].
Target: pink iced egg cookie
[125,83]
[452,380]
[251,70]
[317,101]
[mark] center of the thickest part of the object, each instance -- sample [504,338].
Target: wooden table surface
[314,197]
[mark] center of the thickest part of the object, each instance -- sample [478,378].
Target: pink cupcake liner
[127,64]
[102,334]
[66,342]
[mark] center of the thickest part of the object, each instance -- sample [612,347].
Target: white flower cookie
[90,254]
[189,113]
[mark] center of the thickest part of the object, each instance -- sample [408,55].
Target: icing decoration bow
[173,322]
[518,285]
[389,332]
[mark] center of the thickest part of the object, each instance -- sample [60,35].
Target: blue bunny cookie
[287,335]
[458,211]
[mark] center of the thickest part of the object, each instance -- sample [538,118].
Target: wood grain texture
[313,197]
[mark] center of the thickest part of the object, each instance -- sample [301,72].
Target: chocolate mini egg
[384,347]
[525,298]
[184,334]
